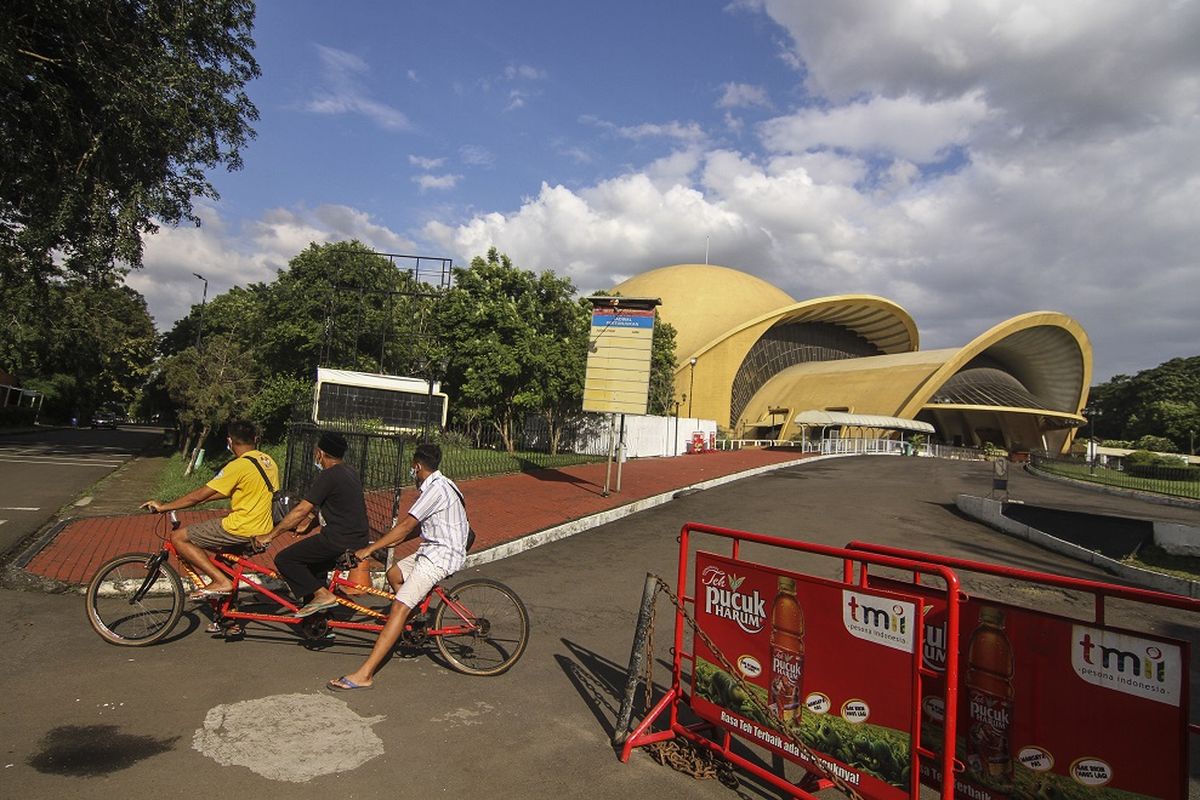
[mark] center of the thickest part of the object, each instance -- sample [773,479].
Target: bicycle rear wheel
[491,627]
[134,601]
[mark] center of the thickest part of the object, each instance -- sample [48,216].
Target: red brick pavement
[502,508]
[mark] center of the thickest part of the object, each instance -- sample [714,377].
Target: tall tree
[1162,401]
[111,113]
[210,386]
[507,336]
[81,342]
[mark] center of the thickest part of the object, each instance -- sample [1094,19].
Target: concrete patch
[464,716]
[289,737]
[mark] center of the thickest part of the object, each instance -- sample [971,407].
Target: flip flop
[313,608]
[201,595]
[344,684]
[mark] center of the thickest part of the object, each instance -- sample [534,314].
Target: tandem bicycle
[479,625]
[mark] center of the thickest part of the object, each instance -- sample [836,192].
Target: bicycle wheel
[491,624]
[134,600]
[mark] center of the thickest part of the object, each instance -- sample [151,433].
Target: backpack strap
[263,472]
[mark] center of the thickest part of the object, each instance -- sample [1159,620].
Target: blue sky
[968,161]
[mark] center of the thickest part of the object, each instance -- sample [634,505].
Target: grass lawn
[1112,477]
[1153,557]
[173,483]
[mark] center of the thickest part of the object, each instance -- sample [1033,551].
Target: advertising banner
[1051,707]
[835,662]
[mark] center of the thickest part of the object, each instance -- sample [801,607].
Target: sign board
[1055,707]
[836,662]
[618,364]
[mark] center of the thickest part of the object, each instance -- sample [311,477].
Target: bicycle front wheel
[134,601]
[487,627]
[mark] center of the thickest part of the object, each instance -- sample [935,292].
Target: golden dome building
[755,360]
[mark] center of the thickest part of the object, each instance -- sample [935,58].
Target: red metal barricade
[1079,707]
[828,674]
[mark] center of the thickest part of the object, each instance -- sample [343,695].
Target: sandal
[200,595]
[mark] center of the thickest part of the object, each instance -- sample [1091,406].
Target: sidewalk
[509,512]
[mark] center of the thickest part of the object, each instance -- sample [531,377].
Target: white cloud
[906,126]
[516,99]
[426,163]
[250,253]
[524,72]
[673,130]
[476,155]
[743,95]
[437,181]
[341,91]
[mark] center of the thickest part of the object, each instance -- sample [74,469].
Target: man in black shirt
[338,493]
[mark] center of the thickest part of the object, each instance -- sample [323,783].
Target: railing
[742,444]
[1171,481]
[841,447]
[951,452]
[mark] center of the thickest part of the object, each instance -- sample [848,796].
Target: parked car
[104,419]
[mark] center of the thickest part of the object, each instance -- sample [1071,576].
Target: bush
[1159,443]
[17,416]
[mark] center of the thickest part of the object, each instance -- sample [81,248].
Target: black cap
[333,444]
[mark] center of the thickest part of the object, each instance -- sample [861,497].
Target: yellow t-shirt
[249,497]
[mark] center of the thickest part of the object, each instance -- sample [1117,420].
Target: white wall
[658,436]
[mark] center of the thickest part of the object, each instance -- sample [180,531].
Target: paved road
[43,471]
[83,719]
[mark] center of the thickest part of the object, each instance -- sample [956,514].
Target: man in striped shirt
[439,517]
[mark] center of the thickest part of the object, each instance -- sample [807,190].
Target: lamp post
[203,300]
[692,386]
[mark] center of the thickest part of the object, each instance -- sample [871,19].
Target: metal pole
[676,448]
[637,659]
[203,301]
[692,388]
[620,452]
[608,464]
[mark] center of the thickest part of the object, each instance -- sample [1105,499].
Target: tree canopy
[1160,402]
[111,113]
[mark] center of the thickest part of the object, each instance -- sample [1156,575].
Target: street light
[692,386]
[203,300]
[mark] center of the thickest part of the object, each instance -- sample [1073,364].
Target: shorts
[420,575]
[210,535]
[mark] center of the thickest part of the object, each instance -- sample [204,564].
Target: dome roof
[704,301]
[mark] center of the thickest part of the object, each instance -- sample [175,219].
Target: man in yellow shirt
[249,515]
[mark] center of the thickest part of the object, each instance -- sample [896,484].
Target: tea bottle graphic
[787,653]
[990,701]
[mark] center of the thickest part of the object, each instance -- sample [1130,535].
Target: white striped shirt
[442,521]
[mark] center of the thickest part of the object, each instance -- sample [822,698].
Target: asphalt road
[83,719]
[43,471]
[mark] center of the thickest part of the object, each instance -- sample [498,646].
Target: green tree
[114,112]
[84,343]
[662,369]
[209,387]
[1163,401]
[511,344]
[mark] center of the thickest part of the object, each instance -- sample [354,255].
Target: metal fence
[1172,481]
[378,458]
[952,452]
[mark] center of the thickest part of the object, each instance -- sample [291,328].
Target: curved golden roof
[1048,352]
[704,301]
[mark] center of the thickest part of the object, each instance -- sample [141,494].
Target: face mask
[412,474]
[229,445]
[317,464]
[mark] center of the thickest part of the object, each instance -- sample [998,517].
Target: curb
[548,535]
[991,513]
[497,552]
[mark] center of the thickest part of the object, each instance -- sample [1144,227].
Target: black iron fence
[1174,481]
[381,460]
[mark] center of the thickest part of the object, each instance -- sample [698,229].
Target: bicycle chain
[805,750]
